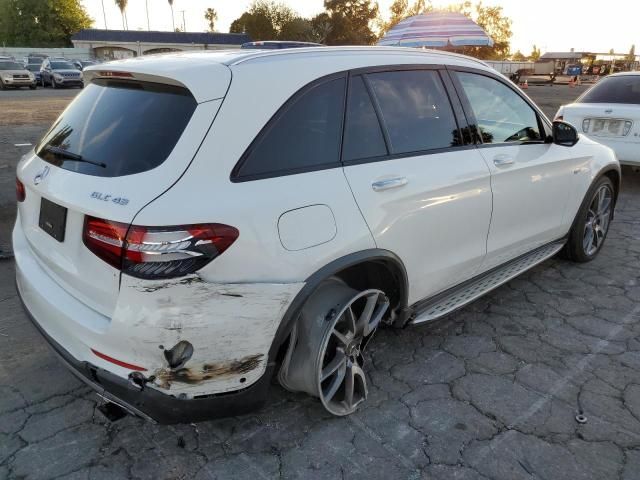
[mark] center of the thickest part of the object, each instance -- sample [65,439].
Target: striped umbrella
[438,29]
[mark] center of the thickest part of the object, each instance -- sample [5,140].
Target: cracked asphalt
[490,392]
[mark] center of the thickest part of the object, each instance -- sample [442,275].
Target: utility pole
[184,24]
[105,16]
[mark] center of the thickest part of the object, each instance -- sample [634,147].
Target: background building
[115,44]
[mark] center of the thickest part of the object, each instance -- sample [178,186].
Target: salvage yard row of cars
[293,202]
[42,71]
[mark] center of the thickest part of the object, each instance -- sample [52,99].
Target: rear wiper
[71,156]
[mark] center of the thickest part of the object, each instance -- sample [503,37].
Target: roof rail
[328,50]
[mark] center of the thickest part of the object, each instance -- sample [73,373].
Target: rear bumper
[153,405]
[231,328]
[628,153]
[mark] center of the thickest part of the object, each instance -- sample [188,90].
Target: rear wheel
[591,226]
[325,358]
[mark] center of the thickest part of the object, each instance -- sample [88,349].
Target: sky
[553,25]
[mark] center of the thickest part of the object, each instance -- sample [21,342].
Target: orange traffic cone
[571,84]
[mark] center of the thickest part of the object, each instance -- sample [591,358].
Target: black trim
[313,281]
[381,122]
[418,153]
[152,404]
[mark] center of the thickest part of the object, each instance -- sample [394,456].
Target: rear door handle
[388,183]
[502,160]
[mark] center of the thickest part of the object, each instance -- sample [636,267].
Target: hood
[66,71]
[14,72]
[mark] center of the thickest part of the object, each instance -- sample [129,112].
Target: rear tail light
[21,193]
[585,125]
[157,252]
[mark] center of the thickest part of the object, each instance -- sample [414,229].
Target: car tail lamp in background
[21,193]
[157,252]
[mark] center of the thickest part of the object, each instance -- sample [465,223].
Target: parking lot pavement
[490,392]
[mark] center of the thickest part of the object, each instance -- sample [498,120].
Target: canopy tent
[437,29]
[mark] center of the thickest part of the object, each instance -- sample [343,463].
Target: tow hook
[137,380]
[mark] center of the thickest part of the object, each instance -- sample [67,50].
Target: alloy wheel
[325,358]
[597,220]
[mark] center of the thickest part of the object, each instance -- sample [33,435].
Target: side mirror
[564,134]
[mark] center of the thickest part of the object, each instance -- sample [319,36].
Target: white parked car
[609,113]
[193,223]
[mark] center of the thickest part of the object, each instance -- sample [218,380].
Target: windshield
[100,134]
[6,65]
[62,66]
[622,89]
[33,67]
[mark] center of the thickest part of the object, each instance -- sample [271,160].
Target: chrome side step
[457,297]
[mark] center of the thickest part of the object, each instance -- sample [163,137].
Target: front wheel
[591,226]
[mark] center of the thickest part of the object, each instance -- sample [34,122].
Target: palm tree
[122,5]
[173,22]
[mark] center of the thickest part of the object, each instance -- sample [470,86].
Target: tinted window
[62,66]
[130,127]
[305,134]
[33,68]
[415,109]
[10,66]
[622,89]
[362,135]
[502,115]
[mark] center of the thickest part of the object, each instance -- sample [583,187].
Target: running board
[460,296]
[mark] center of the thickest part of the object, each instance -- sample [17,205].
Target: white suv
[194,222]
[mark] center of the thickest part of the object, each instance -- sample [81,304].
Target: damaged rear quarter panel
[231,327]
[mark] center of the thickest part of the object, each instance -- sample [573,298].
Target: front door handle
[388,183]
[502,160]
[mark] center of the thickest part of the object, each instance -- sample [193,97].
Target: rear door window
[622,89]
[415,109]
[304,135]
[116,128]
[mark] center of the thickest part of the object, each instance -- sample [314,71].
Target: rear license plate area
[606,127]
[53,219]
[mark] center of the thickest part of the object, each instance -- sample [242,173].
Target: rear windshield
[116,128]
[62,66]
[622,89]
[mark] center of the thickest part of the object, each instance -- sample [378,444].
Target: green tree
[518,57]
[122,5]
[211,16]
[351,21]
[535,54]
[41,23]
[264,20]
[631,56]
[321,27]
[298,29]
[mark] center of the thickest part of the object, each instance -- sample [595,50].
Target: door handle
[388,183]
[502,160]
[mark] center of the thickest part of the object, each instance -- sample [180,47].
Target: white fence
[73,53]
